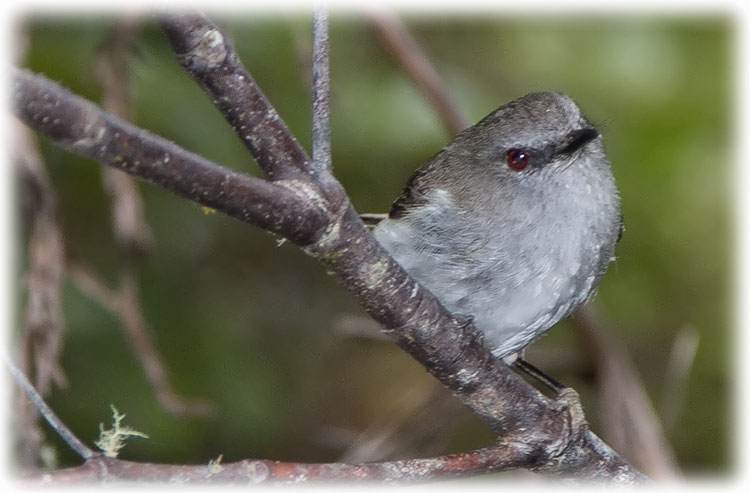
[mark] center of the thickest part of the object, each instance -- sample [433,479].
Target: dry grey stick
[40,342]
[43,333]
[131,230]
[316,214]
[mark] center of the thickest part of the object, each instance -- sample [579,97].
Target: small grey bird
[513,223]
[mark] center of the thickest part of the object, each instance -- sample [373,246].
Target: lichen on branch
[112,440]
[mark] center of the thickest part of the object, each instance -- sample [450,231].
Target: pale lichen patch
[375,273]
[214,465]
[113,440]
[257,471]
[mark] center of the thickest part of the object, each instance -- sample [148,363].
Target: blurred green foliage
[249,324]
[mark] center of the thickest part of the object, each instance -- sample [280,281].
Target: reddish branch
[250,471]
[310,208]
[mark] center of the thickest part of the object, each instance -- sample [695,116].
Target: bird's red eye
[517,158]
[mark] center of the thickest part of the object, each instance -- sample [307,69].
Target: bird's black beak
[577,139]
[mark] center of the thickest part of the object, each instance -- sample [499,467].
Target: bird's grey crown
[541,123]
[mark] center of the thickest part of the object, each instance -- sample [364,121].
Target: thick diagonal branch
[80,126]
[208,56]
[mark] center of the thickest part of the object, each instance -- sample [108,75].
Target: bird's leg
[532,371]
[567,399]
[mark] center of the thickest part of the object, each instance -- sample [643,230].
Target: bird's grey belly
[513,296]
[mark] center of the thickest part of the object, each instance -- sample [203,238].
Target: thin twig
[44,325]
[416,424]
[41,340]
[112,71]
[49,415]
[500,457]
[395,38]
[321,130]
[679,363]
[630,423]
[123,302]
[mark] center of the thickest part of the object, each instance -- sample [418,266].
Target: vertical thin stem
[321,130]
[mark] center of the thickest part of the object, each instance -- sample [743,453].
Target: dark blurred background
[290,362]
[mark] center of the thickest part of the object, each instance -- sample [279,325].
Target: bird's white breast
[517,278]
